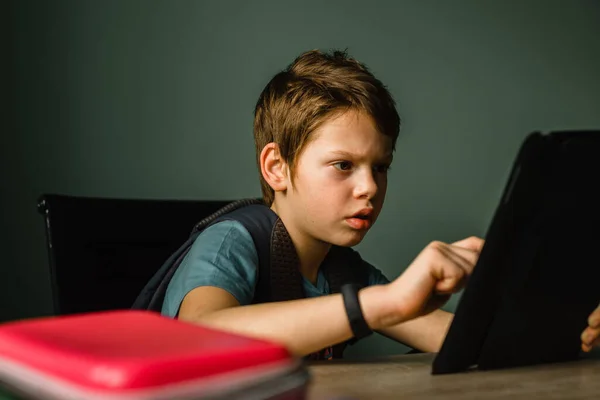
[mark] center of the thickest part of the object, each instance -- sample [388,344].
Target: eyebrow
[389,156]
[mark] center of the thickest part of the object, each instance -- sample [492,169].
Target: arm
[303,326]
[425,333]
[308,325]
[215,284]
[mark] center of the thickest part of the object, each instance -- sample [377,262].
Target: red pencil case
[138,355]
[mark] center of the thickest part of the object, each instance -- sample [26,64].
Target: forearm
[425,333]
[303,326]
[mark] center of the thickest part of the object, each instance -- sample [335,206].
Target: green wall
[154,100]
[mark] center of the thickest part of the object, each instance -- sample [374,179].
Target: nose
[366,185]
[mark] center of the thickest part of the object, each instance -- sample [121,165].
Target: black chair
[103,251]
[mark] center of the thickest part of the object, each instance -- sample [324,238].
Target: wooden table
[409,377]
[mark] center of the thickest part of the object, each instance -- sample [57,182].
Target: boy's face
[340,180]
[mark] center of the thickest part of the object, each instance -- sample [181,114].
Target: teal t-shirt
[224,256]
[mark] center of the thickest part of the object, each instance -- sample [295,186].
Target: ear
[273,168]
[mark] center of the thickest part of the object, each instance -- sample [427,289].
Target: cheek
[331,186]
[316,182]
[383,186]
[381,191]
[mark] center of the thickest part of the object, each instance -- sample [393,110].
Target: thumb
[448,280]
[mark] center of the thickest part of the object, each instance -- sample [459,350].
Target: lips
[361,220]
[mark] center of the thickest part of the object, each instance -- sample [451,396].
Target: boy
[325,131]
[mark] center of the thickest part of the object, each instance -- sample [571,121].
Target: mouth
[362,220]
[365,213]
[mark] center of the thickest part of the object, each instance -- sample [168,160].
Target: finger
[590,335]
[448,269]
[586,348]
[465,258]
[594,319]
[452,270]
[472,243]
[469,257]
[589,347]
[450,284]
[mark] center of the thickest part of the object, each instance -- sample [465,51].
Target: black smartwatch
[359,326]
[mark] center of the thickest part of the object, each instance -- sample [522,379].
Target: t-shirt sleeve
[376,277]
[222,256]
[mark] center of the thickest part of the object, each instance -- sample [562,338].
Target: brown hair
[312,89]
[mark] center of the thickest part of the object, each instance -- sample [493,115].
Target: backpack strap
[153,294]
[278,276]
[285,280]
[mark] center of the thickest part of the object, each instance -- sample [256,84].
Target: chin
[349,240]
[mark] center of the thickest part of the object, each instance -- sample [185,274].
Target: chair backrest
[103,251]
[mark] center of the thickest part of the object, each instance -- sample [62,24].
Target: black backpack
[279,277]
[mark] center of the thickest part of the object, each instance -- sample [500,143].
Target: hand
[438,271]
[591,335]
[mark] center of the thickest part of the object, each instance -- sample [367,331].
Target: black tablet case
[538,275]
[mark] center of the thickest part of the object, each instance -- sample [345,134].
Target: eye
[343,165]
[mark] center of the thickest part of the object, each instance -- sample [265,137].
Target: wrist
[377,307]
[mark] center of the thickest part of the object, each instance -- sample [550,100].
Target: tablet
[538,276]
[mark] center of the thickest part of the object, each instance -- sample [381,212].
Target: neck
[311,252]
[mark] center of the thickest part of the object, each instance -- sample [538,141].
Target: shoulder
[224,256]
[223,239]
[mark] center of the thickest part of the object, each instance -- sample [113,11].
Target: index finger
[472,243]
